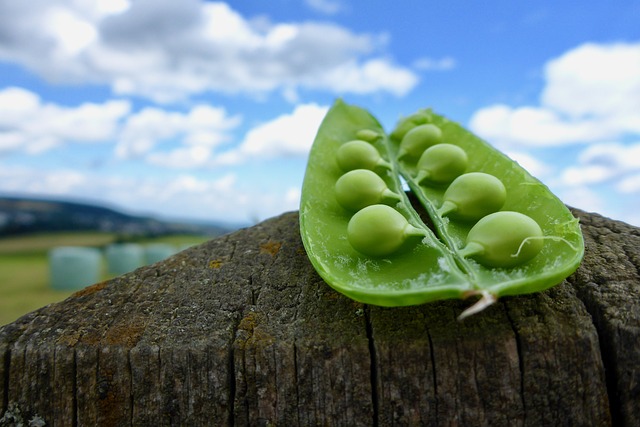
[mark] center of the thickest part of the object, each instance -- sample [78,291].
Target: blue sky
[207,110]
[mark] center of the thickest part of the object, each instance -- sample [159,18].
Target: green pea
[441,164]
[358,154]
[379,230]
[419,139]
[408,123]
[361,187]
[504,239]
[384,254]
[472,196]
[367,135]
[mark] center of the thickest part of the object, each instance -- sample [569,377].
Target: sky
[207,110]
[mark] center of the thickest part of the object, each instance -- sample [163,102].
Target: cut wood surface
[242,331]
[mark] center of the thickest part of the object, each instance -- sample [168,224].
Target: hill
[19,215]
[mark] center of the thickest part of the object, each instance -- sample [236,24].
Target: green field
[24,267]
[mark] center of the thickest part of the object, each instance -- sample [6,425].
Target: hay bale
[74,267]
[156,252]
[124,257]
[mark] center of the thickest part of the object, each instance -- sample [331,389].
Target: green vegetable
[359,188]
[359,154]
[418,139]
[497,230]
[441,164]
[379,230]
[503,239]
[367,135]
[472,196]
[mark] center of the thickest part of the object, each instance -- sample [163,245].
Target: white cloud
[592,79]
[25,180]
[286,135]
[630,184]
[73,33]
[367,77]
[16,102]
[620,157]
[586,174]
[161,137]
[603,162]
[28,124]
[533,126]
[191,185]
[182,158]
[592,93]
[168,50]
[195,133]
[109,7]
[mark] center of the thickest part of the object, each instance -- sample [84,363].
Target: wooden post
[242,331]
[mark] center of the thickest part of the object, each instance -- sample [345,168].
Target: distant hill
[29,215]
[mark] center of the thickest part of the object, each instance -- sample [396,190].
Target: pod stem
[471,249]
[384,164]
[390,195]
[484,302]
[422,175]
[410,230]
[447,207]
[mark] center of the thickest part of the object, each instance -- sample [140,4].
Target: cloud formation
[167,50]
[196,132]
[286,135]
[605,161]
[160,137]
[591,93]
[30,125]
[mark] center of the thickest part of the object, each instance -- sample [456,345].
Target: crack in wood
[231,381]
[374,366]
[296,381]
[605,343]
[434,374]
[520,361]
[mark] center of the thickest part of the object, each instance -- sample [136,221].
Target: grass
[42,242]
[24,285]
[24,267]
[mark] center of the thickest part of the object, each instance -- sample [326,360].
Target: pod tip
[485,301]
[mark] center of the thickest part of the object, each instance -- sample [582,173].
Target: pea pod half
[384,254]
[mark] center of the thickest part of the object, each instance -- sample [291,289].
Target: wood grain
[242,331]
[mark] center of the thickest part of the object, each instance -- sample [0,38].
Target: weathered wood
[242,331]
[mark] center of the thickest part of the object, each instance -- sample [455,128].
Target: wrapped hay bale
[74,267]
[158,251]
[124,257]
[186,246]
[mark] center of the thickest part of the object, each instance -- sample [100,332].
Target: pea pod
[541,245]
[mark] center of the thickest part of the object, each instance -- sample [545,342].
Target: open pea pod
[366,241]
